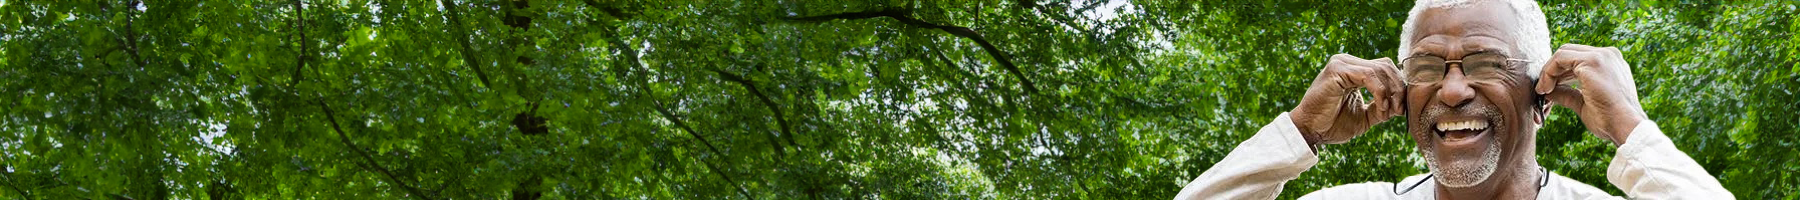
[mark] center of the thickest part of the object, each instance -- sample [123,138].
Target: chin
[1460,145]
[1462,170]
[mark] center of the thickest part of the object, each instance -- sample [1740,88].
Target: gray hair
[1533,40]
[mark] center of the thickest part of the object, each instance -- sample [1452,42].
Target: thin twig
[631,56]
[10,184]
[678,123]
[462,36]
[371,164]
[131,37]
[300,26]
[780,118]
[964,32]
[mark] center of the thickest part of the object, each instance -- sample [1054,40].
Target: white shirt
[1648,166]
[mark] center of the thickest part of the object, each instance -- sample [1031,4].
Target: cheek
[1420,131]
[1516,103]
[1421,135]
[1416,99]
[1506,99]
[1414,102]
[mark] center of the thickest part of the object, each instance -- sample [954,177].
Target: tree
[614,99]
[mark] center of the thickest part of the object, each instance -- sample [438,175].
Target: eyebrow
[1420,53]
[1473,30]
[1420,50]
[1482,47]
[1468,47]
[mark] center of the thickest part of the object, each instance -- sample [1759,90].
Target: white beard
[1463,172]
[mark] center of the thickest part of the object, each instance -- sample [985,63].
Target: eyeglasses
[1425,70]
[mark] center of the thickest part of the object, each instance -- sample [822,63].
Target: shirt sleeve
[1648,166]
[1258,167]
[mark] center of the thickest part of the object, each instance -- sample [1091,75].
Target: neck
[1519,181]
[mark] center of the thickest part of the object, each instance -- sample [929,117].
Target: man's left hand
[1606,100]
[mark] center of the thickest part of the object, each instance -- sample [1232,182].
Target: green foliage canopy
[1032,99]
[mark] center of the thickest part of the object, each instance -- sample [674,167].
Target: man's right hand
[1333,110]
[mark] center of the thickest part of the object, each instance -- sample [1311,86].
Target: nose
[1456,91]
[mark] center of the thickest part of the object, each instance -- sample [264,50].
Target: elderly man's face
[1472,118]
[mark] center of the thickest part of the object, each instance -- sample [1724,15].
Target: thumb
[1566,96]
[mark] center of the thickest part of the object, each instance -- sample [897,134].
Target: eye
[1484,65]
[1424,69]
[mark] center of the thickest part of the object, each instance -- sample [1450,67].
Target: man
[1475,80]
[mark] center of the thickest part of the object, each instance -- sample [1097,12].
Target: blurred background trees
[566,99]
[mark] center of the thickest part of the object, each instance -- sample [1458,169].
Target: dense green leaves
[781,99]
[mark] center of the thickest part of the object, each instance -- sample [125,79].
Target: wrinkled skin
[1607,100]
[1500,162]
[1332,111]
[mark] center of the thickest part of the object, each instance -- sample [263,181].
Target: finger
[1394,108]
[1395,86]
[1622,71]
[1547,76]
[1567,97]
[1384,60]
[1400,102]
[1558,69]
[1384,67]
[1380,85]
[1361,79]
[1398,93]
[1576,47]
[1613,52]
[1352,79]
[1376,76]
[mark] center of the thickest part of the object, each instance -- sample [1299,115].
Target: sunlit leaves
[1135,98]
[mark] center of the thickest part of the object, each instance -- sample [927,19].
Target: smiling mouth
[1456,131]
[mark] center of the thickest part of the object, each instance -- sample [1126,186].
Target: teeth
[1462,125]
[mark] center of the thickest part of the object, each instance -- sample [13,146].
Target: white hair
[1533,40]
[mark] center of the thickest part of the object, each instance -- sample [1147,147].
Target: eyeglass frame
[1507,64]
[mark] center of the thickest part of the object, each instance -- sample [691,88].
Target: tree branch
[10,184]
[614,12]
[131,36]
[462,36]
[741,190]
[678,123]
[299,20]
[959,31]
[780,118]
[1064,20]
[9,179]
[631,56]
[614,39]
[1090,6]
[966,95]
[371,164]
